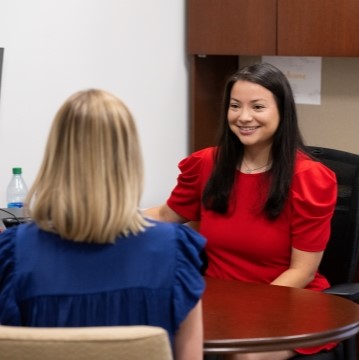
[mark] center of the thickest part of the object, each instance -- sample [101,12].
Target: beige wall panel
[334,123]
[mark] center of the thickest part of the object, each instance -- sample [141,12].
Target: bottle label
[15,205]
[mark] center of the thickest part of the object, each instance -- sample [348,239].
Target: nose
[245,115]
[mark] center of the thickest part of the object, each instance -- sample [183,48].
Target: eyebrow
[255,100]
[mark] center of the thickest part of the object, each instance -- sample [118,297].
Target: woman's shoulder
[10,237]
[198,161]
[183,263]
[7,244]
[206,154]
[184,248]
[307,166]
[313,180]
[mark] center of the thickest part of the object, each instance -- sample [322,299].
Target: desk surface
[245,317]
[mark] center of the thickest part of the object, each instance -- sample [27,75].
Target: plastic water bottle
[16,190]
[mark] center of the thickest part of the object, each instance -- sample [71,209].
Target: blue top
[152,278]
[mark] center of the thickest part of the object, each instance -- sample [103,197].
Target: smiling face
[253,115]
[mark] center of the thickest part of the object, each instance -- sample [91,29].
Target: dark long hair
[287,140]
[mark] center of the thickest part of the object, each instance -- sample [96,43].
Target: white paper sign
[303,74]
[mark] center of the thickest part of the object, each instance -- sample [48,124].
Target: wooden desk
[244,317]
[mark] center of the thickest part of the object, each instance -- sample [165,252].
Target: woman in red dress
[264,205]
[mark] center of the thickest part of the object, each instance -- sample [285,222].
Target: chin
[247,142]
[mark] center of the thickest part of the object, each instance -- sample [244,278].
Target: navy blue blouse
[152,278]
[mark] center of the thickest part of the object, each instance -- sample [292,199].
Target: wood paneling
[231,27]
[207,78]
[318,27]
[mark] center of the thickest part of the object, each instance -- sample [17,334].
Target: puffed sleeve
[185,198]
[189,283]
[313,195]
[9,311]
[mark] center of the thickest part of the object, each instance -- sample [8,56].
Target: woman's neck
[256,162]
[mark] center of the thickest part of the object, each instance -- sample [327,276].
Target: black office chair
[340,259]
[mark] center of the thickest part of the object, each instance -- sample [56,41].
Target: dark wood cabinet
[273,27]
[318,28]
[231,27]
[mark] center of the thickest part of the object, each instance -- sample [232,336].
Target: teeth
[248,129]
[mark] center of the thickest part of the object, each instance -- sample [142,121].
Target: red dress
[243,244]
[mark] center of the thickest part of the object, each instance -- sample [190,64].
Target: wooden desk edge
[283,343]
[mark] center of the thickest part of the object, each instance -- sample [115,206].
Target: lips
[248,130]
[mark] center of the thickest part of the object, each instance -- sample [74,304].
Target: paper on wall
[303,74]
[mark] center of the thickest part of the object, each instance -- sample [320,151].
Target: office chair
[87,343]
[340,259]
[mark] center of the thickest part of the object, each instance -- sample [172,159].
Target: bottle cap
[17,171]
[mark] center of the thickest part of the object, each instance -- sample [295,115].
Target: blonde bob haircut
[90,182]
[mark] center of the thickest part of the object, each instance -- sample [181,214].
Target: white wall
[133,48]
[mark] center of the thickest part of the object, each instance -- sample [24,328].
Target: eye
[233,105]
[258,107]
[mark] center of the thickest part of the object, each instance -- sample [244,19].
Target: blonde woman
[90,258]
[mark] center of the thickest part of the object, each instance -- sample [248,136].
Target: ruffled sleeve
[314,194]
[189,283]
[185,198]
[9,311]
